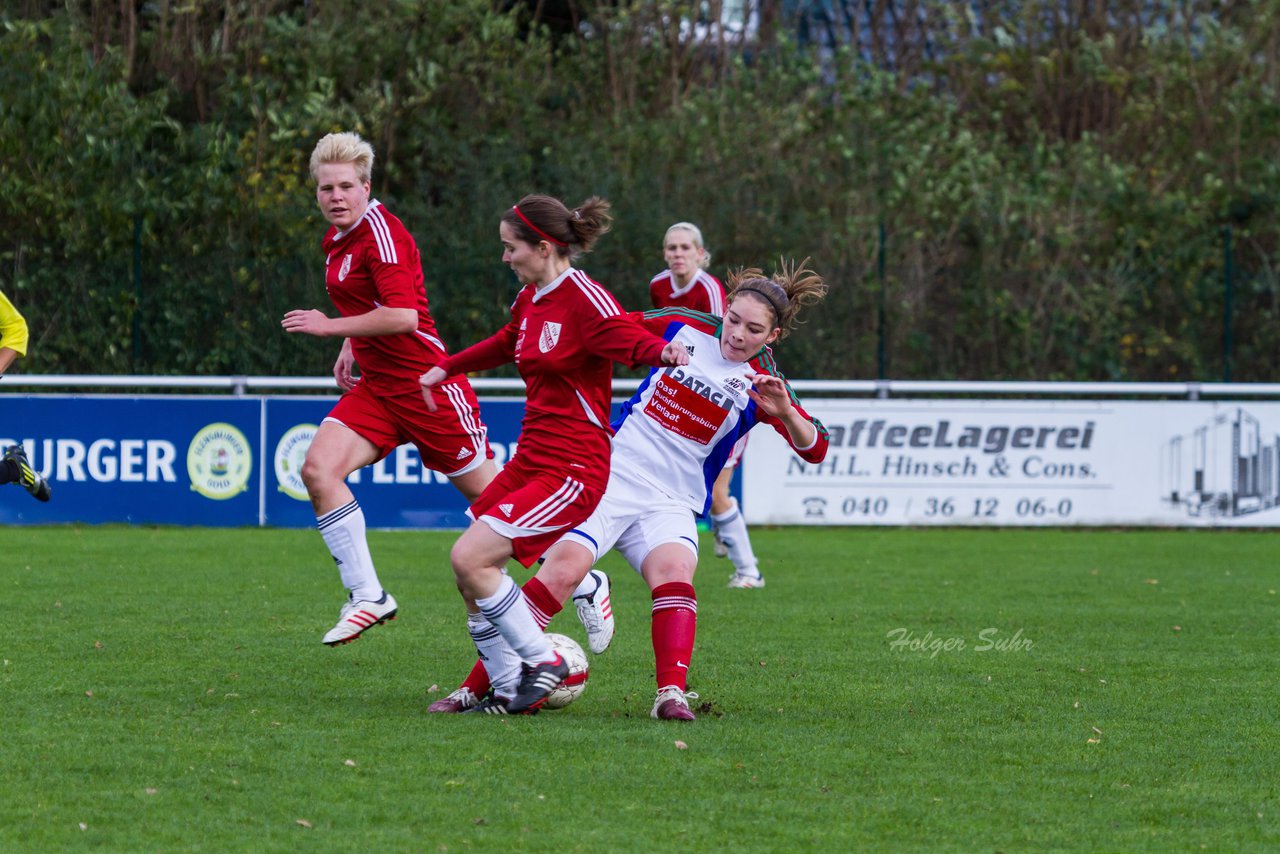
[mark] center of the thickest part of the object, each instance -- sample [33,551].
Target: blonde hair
[344,148]
[790,288]
[705,258]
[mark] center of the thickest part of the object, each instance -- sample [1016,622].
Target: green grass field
[166,690]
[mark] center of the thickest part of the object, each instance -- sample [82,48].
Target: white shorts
[631,522]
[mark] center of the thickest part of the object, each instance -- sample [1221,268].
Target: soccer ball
[568,690]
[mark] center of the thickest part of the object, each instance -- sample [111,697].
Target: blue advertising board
[211,460]
[168,460]
[396,492]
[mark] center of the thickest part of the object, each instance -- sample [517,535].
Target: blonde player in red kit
[565,333]
[373,274]
[686,283]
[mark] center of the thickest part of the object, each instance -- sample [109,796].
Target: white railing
[242,385]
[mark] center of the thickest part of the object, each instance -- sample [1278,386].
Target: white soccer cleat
[672,704]
[744,581]
[356,616]
[596,614]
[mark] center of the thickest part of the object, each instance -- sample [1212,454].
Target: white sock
[509,612]
[733,533]
[587,586]
[343,532]
[500,660]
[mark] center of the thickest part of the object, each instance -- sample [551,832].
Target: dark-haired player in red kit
[373,274]
[565,333]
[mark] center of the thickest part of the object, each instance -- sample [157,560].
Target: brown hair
[536,218]
[790,288]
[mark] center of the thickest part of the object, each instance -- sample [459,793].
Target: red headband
[537,230]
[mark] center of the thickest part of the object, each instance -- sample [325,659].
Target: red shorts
[452,440]
[534,507]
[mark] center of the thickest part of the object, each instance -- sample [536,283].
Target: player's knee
[668,571]
[317,475]
[562,577]
[466,564]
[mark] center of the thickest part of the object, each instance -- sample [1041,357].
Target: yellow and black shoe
[32,481]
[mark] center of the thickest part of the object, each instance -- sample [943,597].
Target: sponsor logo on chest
[729,397]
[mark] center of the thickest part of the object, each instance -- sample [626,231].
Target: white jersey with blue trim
[676,432]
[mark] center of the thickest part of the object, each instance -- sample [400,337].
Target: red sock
[477,680]
[541,602]
[675,622]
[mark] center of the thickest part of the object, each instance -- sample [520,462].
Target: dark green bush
[1055,195]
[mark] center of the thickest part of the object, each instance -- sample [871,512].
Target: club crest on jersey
[550,336]
[345,268]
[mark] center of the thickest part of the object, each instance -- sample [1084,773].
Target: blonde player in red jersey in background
[565,333]
[672,436]
[373,274]
[686,283]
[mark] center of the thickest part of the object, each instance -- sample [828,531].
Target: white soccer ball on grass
[572,686]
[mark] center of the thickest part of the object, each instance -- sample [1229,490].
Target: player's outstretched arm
[382,320]
[675,353]
[773,396]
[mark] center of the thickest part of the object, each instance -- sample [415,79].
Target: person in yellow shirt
[14,467]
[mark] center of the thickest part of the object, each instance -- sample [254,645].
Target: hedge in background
[1055,194]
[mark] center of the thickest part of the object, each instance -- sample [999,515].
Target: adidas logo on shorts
[506,508]
[463,453]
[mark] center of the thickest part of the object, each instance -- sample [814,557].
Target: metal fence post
[881,368]
[1228,288]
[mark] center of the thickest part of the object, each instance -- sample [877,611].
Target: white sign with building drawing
[999,462]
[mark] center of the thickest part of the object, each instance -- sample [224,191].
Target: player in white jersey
[686,284]
[672,440]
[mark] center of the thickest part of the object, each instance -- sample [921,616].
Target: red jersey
[703,293]
[564,337]
[376,263]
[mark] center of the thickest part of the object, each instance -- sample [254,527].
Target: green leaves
[1046,191]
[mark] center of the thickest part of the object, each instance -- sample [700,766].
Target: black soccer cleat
[32,481]
[536,682]
[492,704]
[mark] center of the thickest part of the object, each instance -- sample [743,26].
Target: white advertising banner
[1000,462]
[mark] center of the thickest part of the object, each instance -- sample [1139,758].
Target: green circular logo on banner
[219,462]
[291,450]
